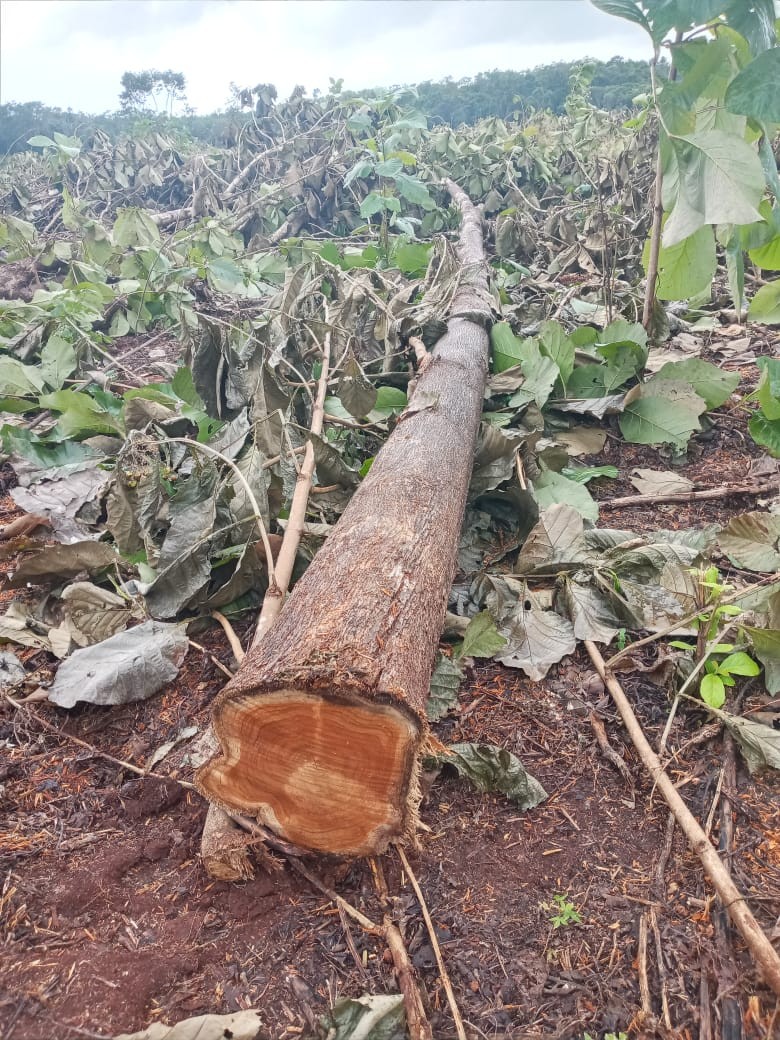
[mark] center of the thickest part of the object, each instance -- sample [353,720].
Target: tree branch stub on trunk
[322,728]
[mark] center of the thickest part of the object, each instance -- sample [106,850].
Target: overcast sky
[72,53]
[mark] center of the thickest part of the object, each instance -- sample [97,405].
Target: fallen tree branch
[443,974]
[706,494]
[279,582]
[761,949]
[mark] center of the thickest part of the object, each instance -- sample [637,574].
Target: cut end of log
[331,775]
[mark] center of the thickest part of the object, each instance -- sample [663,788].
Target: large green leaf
[482,638]
[685,269]
[711,383]
[768,392]
[506,348]
[58,361]
[765,305]
[540,373]
[660,420]
[552,488]
[135,227]
[18,380]
[81,415]
[721,181]
[555,344]
[628,9]
[755,91]
[766,432]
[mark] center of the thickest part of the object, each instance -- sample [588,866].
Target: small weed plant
[564,911]
[718,660]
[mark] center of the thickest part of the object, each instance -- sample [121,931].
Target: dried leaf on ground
[242,1025]
[495,769]
[371,1017]
[535,639]
[660,482]
[94,614]
[445,683]
[582,440]
[11,669]
[59,562]
[751,541]
[129,666]
[60,500]
[18,626]
[759,744]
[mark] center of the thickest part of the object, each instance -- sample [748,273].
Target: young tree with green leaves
[717,184]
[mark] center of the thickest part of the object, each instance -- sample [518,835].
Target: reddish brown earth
[108,921]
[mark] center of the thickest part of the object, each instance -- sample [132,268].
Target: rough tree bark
[322,728]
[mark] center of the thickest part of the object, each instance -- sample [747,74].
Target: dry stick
[215,660]
[686,496]
[279,582]
[459,1028]
[644,982]
[731,1013]
[659,957]
[92,749]
[232,638]
[416,1017]
[609,752]
[761,949]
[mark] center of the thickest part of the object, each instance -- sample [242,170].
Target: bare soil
[108,921]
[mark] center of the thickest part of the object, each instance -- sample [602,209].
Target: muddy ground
[108,921]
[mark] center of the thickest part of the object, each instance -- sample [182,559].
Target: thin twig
[416,1018]
[93,750]
[459,1028]
[659,960]
[235,643]
[761,949]
[214,660]
[644,984]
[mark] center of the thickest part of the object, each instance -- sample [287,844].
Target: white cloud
[72,53]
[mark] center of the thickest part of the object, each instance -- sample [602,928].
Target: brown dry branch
[445,978]
[322,728]
[706,494]
[285,561]
[763,953]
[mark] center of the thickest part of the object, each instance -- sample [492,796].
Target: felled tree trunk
[322,727]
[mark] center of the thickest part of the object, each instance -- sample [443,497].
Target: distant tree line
[148,99]
[502,93]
